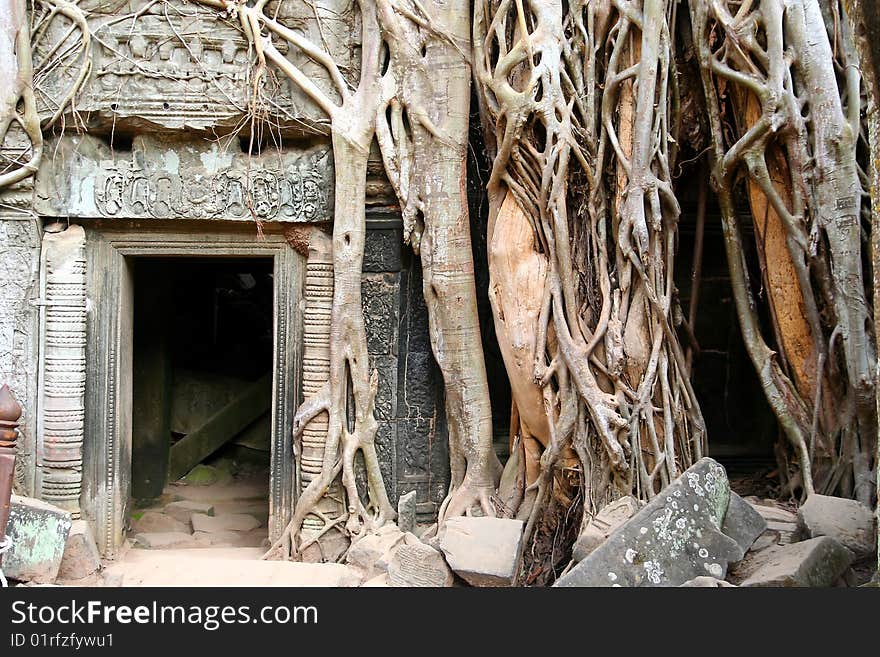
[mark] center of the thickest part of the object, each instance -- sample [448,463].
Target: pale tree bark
[788,76]
[864,18]
[577,102]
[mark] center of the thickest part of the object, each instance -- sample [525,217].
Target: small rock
[674,538]
[704,581]
[183,510]
[152,522]
[167,540]
[849,522]
[238,522]
[419,565]
[603,524]
[483,551]
[368,551]
[112,579]
[816,562]
[742,523]
[406,512]
[81,557]
[38,531]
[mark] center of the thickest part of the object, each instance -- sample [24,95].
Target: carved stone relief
[62,369]
[19,274]
[162,178]
[177,65]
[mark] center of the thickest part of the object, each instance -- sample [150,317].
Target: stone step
[225,567]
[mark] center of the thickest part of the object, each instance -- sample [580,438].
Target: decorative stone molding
[165,178]
[62,373]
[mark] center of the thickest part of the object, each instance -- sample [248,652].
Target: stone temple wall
[160,133]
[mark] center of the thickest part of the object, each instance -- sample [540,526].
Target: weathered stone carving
[175,66]
[316,369]
[169,179]
[60,424]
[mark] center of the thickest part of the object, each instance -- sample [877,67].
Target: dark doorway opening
[202,382]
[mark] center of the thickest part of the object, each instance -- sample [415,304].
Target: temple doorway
[202,358]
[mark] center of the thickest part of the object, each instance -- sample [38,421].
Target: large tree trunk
[796,100]
[576,101]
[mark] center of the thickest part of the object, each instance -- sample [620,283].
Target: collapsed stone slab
[742,522]
[676,537]
[406,512]
[817,562]
[603,525]
[81,557]
[849,522]
[419,565]
[183,510]
[483,551]
[38,531]
[238,522]
[155,522]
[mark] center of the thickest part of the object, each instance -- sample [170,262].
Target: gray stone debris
[603,524]
[849,522]
[673,539]
[366,553]
[704,581]
[238,522]
[154,522]
[815,562]
[483,551]
[184,509]
[168,540]
[742,523]
[419,565]
[81,557]
[782,523]
[39,533]
[406,512]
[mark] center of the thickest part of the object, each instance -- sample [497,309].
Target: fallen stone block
[849,522]
[406,512]
[184,509]
[419,565]
[237,522]
[81,557]
[742,523]
[704,581]
[368,551]
[167,540]
[674,538]
[603,524]
[38,531]
[816,562]
[781,522]
[229,538]
[152,522]
[483,551]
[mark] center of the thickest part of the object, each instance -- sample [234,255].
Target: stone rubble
[419,565]
[38,531]
[152,522]
[183,510]
[406,512]
[603,524]
[483,551]
[849,522]
[816,562]
[81,557]
[676,537]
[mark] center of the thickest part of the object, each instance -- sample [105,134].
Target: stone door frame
[109,311]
